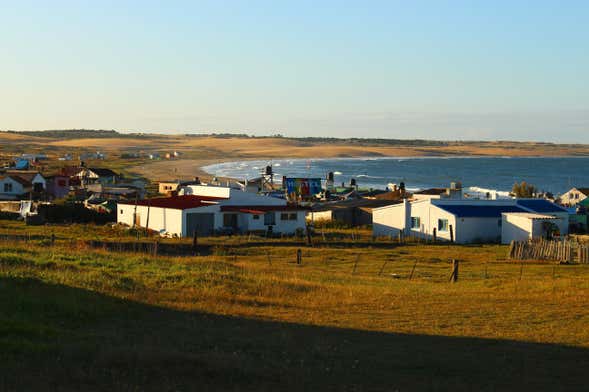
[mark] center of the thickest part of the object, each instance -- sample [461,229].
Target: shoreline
[474,182]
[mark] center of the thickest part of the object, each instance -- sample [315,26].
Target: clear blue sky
[399,69]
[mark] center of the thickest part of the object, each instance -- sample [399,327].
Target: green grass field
[355,315]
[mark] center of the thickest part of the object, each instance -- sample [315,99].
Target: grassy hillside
[356,315]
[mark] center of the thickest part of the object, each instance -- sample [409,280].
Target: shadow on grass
[61,338]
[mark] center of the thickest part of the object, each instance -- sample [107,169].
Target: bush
[73,213]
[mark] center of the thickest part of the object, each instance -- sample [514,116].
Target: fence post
[511,249]
[52,239]
[309,239]
[299,256]
[155,246]
[413,270]
[194,242]
[382,268]
[451,233]
[454,275]
[270,258]
[356,263]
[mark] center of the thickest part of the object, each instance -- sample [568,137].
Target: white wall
[429,215]
[17,187]
[166,219]
[389,220]
[205,190]
[476,229]
[515,228]
[247,222]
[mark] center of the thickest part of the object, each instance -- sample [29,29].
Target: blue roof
[540,205]
[22,164]
[479,211]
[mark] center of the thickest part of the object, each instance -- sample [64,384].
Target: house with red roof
[217,211]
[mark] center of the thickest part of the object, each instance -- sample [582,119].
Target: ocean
[477,174]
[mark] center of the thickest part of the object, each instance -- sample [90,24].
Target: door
[230,221]
[203,224]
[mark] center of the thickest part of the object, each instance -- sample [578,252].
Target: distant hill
[82,134]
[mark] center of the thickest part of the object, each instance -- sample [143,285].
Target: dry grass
[494,301]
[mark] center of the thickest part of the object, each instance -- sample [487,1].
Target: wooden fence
[564,251]
[144,246]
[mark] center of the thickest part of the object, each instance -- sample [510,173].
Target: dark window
[8,187]
[269,218]
[229,220]
[285,216]
[442,224]
[256,217]
[121,212]
[415,222]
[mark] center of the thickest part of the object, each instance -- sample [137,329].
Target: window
[229,220]
[415,222]
[121,212]
[8,187]
[269,219]
[285,216]
[256,217]
[442,224]
[576,195]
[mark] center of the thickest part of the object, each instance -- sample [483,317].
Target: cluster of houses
[187,208]
[190,208]
[98,188]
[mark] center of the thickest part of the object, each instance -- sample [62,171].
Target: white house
[16,184]
[97,175]
[464,221]
[183,215]
[13,187]
[574,196]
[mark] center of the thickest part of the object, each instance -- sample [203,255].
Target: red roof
[261,209]
[176,202]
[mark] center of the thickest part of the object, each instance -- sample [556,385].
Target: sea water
[477,174]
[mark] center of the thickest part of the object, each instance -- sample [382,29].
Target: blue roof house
[461,220]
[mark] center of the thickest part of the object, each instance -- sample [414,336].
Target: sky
[451,70]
